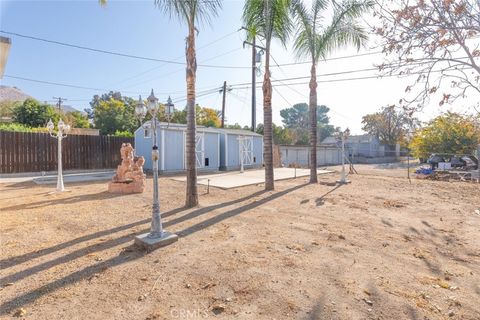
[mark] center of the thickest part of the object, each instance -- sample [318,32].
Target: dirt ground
[378,248]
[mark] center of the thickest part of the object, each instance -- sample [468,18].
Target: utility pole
[254,80]
[223,102]
[60,100]
[224,91]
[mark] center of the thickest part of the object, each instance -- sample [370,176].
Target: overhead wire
[126,55]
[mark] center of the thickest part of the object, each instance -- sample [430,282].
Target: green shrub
[125,134]
[18,127]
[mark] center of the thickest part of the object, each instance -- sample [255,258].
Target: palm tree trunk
[313,124]
[267,123]
[191,192]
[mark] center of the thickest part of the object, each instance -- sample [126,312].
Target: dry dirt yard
[379,248]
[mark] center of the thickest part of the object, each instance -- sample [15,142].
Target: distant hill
[12,94]
[67,108]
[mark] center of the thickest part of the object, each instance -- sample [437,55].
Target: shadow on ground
[122,258]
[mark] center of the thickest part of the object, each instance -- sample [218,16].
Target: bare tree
[437,40]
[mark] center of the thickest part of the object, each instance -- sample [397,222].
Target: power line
[173,61]
[181,69]
[65,84]
[116,53]
[284,99]
[346,79]
[179,57]
[387,66]
[330,59]
[198,95]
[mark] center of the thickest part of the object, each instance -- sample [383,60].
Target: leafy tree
[236,126]
[281,135]
[7,107]
[34,114]
[208,117]
[389,125]
[450,133]
[315,40]
[76,119]
[190,12]
[111,112]
[297,118]
[125,134]
[270,19]
[112,115]
[436,39]
[204,116]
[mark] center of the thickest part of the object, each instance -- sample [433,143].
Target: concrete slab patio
[236,179]
[51,178]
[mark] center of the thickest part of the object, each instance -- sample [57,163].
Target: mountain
[12,94]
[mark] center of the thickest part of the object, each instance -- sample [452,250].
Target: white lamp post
[63,129]
[157,237]
[343,136]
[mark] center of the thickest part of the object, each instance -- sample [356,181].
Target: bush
[124,134]
[34,114]
[450,133]
[18,127]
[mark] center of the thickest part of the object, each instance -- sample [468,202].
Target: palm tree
[269,19]
[315,41]
[191,12]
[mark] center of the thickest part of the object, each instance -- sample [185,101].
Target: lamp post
[61,134]
[343,136]
[157,237]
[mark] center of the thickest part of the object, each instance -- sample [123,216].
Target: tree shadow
[74,277]
[19,185]
[6,263]
[9,262]
[69,200]
[89,271]
[228,214]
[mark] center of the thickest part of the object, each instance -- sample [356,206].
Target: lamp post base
[343,181]
[145,241]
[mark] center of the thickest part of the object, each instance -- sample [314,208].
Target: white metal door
[246,150]
[200,149]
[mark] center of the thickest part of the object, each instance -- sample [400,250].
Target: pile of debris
[450,167]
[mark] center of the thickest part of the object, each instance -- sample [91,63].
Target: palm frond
[190,11]
[271,18]
[344,28]
[314,40]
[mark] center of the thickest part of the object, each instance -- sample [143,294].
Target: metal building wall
[172,156]
[143,146]
[212,150]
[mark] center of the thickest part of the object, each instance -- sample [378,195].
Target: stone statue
[129,177]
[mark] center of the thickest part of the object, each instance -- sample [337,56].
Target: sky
[139,28]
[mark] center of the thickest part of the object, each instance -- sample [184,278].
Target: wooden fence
[35,152]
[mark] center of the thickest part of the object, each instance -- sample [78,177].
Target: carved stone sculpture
[129,177]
